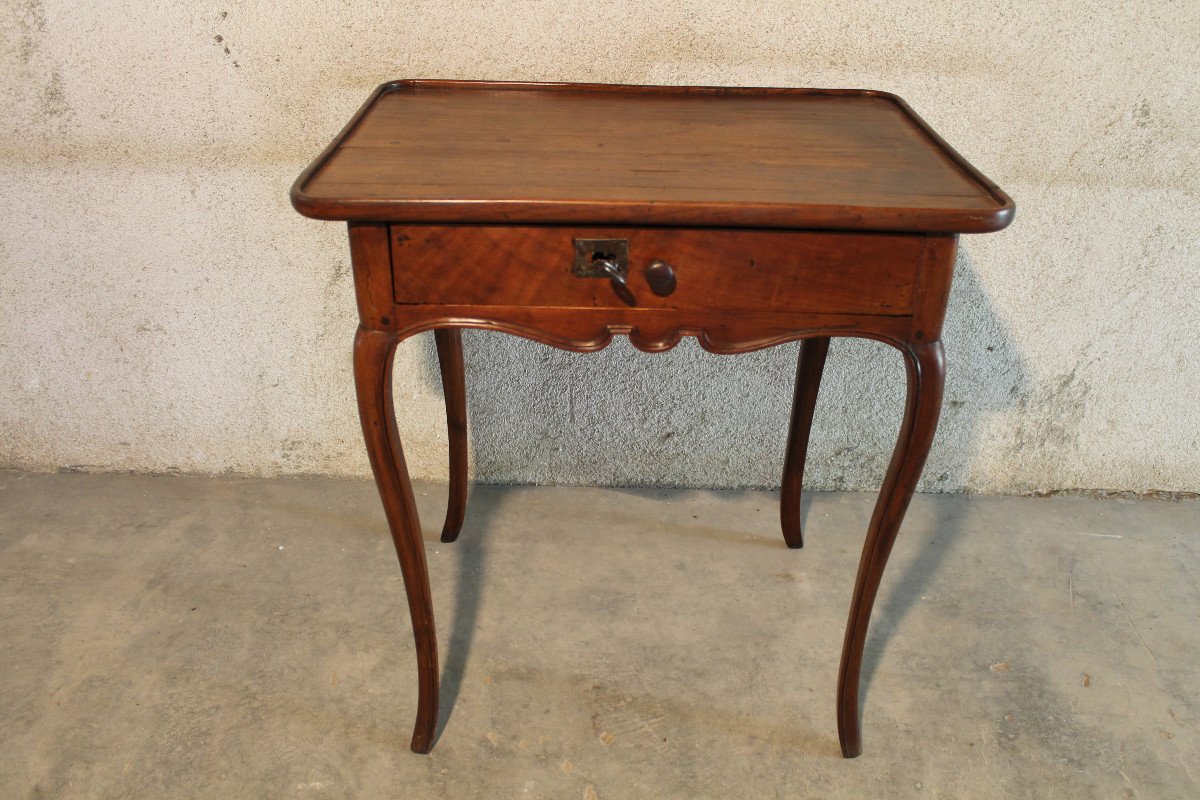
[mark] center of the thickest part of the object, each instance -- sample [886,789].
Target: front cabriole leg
[373,356]
[926,370]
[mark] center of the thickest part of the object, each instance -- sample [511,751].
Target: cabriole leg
[373,355]
[926,370]
[809,367]
[454,387]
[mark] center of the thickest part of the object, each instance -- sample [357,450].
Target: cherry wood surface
[556,153]
[730,270]
[753,217]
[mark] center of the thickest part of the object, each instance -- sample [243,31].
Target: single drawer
[713,269]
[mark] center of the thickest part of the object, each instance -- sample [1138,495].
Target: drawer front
[729,270]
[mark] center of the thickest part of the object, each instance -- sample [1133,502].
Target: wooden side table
[568,214]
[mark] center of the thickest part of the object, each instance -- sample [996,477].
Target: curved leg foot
[454,387]
[808,382]
[373,351]
[926,373]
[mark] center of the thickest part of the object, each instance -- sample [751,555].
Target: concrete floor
[228,638]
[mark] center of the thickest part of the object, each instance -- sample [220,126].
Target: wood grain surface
[798,158]
[729,270]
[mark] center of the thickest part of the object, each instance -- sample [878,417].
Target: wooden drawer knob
[661,277]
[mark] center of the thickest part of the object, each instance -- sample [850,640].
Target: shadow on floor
[470,550]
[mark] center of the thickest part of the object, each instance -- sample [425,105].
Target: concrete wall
[162,308]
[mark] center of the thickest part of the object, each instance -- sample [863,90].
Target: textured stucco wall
[162,308]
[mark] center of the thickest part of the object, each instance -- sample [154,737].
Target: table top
[481,152]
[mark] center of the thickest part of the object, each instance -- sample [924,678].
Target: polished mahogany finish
[570,214]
